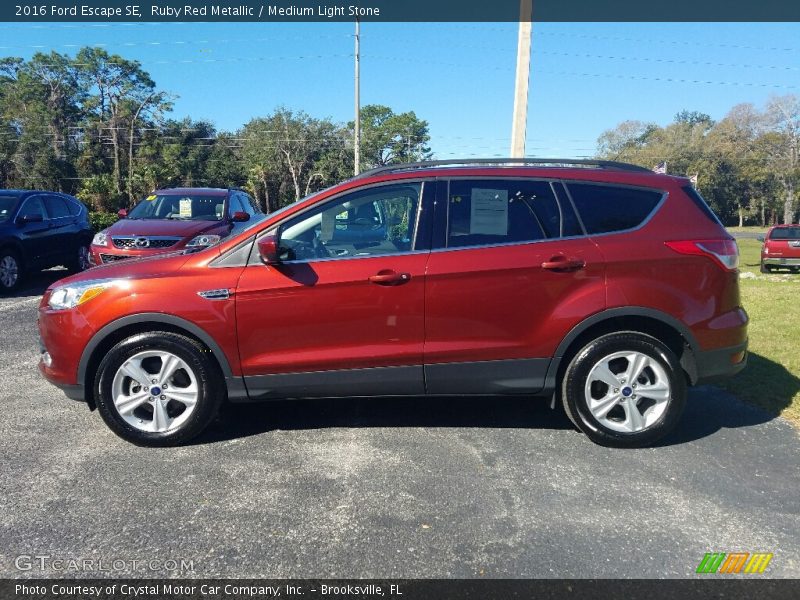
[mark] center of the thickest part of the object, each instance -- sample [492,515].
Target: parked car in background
[781,249]
[39,230]
[600,285]
[174,219]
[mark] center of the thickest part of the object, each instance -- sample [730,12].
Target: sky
[585,77]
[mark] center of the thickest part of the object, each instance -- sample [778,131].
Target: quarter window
[607,208]
[371,222]
[484,212]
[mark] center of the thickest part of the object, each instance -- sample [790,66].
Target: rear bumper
[720,363]
[777,261]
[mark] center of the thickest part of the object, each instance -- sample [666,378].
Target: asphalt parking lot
[386,488]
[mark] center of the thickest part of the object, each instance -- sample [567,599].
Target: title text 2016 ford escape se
[602,283]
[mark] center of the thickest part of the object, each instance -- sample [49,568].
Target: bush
[101,220]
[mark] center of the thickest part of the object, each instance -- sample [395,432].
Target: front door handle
[563,263]
[389,277]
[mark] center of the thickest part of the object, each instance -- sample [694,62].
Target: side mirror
[37,218]
[240,216]
[760,238]
[268,249]
[122,213]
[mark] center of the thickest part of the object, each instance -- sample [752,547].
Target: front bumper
[778,261]
[101,255]
[713,365]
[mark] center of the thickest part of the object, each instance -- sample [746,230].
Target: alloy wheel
[9,271]
[627,392]
[155,391]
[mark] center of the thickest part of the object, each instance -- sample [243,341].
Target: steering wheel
[320,251]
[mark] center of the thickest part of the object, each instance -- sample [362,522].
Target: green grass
[748,229]
[771,379]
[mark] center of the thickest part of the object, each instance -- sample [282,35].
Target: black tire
[6,255]
[765,268]
[78,263]
[211,389]
[573,391]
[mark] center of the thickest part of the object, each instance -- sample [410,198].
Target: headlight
[100,239]
[203,241]
[70,296]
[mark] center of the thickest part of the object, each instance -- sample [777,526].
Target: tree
[782,117]
[388,138]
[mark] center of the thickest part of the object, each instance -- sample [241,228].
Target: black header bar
[396,10]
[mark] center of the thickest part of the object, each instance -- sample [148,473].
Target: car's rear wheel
[158,389]
[766,268]
[10,270]
[625,390]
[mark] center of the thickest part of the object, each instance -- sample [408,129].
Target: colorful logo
[734,562]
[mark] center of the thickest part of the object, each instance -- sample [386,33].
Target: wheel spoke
[634,420]
[604,405]
[133,369]
[127,404]
[169,365]
[659,391]
[601,372]
[187,396]
[160,417]
[636,364]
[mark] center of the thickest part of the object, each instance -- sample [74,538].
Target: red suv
[174,219]
[599,284]
[781,249]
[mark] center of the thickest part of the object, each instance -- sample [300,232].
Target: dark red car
[781,249]
[174,219]
[601,285]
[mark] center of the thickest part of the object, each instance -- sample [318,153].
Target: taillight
[724,252]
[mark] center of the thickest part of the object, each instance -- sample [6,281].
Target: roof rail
[558,162]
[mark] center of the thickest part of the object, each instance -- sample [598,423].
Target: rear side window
[498,211]
[56,207]
[785,233]
[606,208]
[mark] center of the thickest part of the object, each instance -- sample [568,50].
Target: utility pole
[357,135]
[519,122]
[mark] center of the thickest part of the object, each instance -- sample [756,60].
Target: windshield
[180,207]
[785,233]
[260,218]
[7,204]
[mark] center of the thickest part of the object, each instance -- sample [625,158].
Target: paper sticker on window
[489,212]
[151,197]
[185,207]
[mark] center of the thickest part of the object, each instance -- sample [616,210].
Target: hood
[133,268]
[166,227]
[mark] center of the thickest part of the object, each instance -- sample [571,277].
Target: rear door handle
[389,277]
[563,263]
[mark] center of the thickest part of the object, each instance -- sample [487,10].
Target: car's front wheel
[158,389]
[624,389]
[10,270]
[80,262]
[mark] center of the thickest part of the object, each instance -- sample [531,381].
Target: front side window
[32,208]
[180,207]
[56,207]
[370,222]
[486,212]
